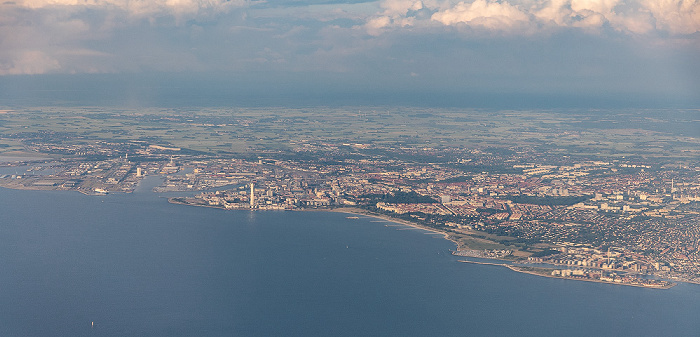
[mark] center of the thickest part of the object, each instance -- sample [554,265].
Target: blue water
[138,266]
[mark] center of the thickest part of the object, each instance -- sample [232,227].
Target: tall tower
[252,195]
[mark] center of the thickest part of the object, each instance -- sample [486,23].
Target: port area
[583,274]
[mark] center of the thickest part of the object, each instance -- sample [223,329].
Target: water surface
[137,266]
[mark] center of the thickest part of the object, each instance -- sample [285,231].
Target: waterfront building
[252,195]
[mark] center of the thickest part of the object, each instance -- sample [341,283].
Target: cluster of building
[599,275]
[484,253]
[648,213]
[96,177]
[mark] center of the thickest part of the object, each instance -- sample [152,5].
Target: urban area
[626,219]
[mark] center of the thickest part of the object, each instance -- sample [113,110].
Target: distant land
[296,90]
[597,195]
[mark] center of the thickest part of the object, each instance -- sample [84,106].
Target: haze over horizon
[577,53]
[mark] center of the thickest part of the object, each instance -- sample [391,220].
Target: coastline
[446,236]
[344,210]
[519,269]
[514,268]
[174,201]
[359,211]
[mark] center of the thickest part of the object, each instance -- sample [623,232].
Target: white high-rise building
[252,195]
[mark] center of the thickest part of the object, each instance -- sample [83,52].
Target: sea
[136,265]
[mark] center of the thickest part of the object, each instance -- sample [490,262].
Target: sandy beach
[358,211]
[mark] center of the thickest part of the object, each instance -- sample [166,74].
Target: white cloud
[554,11]
[594,6]
[486,14]
[66,36]
[677,17]
[375,25]
[400,7]
[638,22]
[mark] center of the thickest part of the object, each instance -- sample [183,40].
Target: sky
[588,52]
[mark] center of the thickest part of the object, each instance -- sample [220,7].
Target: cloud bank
[600,46]
[675,17]
[89,36]
[136,8]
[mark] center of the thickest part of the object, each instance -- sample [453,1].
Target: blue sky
[620,50]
